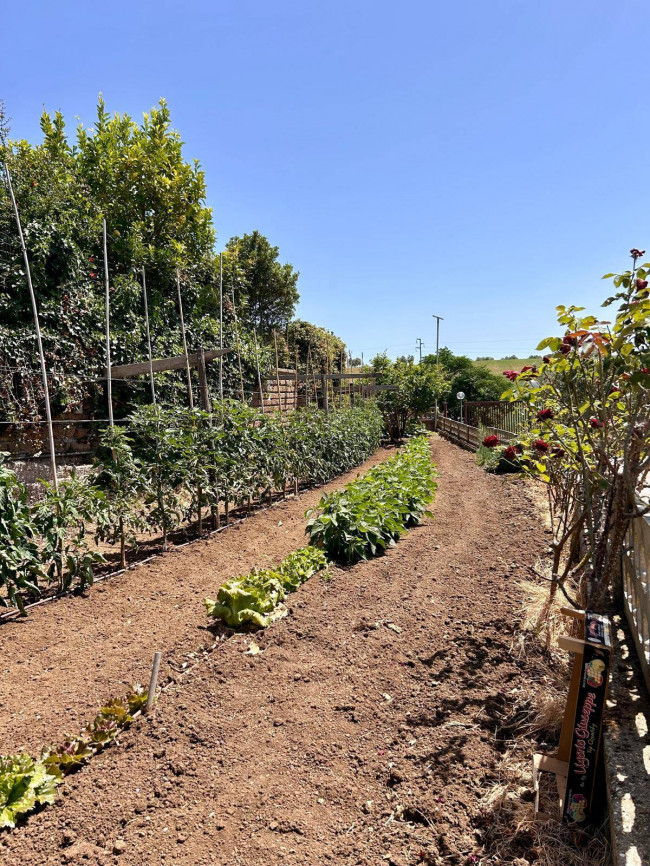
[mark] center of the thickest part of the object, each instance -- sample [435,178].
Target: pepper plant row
[27,783]
[371,513]
[164,468]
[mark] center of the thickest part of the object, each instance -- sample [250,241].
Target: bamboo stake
[296,394]
[109,383]
[221,326]
[41,355]
[259,375]
[153,682]
[187,358]
[341,385]
[277,371]
[146,318]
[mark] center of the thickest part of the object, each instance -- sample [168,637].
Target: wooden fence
[505,415]
[636,588]
[466,434]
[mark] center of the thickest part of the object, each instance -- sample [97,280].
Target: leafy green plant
[120,475]
[414,390]
[61,518]
[21,565]
[372,512]
[251,600]
[24,785]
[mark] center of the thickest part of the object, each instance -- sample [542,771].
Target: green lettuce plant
[24,785]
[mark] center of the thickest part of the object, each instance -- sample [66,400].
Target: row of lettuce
[163,469]
[27,783]
[358,522]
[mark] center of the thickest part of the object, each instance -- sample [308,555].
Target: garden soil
[363,728]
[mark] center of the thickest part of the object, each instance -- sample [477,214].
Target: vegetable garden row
[163,469]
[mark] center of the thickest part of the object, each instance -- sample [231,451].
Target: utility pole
[438,320]
[418,345]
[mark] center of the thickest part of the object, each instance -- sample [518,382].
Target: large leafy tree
[415,389]
[266,291]
[476,381]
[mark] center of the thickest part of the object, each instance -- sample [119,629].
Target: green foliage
[266,291]
[417,388]
[589,436]
[318,349]
[372,513]
[251,600]
[24,785]
[474,380]
[21,565]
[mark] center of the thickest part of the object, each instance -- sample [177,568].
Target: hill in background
[501,364]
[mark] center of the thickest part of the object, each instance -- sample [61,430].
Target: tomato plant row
[166,467]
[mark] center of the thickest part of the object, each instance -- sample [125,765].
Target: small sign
[460,395]
[588,723]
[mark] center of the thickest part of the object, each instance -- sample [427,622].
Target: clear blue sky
[484,161]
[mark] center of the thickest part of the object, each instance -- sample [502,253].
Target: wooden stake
[39,341]
[146,318]
[187,366]
[109,383]
[153,682]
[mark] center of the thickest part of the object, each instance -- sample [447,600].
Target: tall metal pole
[221,325]
[146,319]
[418,345]
[438,320]
[39,341]
[109,381]
[187,357]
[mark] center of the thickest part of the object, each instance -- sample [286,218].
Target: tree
[589,441]
[321,347]
[477,382]
[416,390]
[266,291]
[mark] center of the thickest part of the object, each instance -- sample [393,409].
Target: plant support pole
[221,325]
[259,375]
[41,355]
[187,357]
[277,370]
[109,382]
[146,318]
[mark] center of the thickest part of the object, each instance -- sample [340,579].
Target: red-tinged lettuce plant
[590,433]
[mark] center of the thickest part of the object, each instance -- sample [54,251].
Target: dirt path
[60,663]
[365,732]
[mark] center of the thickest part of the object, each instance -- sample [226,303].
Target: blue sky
[484,161]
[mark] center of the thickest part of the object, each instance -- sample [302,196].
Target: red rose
[636,254]
[92,275]
[540,445]
[546,359]
[510,374]
[510,452]
[595,423]
[491,441]
[641,284]
[565,348]
[546,415]
[556,451]
[519,448]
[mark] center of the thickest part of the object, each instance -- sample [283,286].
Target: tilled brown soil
[62,661]
[366,730]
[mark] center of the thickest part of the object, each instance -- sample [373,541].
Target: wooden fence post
[326,405]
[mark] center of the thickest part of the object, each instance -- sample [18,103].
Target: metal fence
[636,588]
